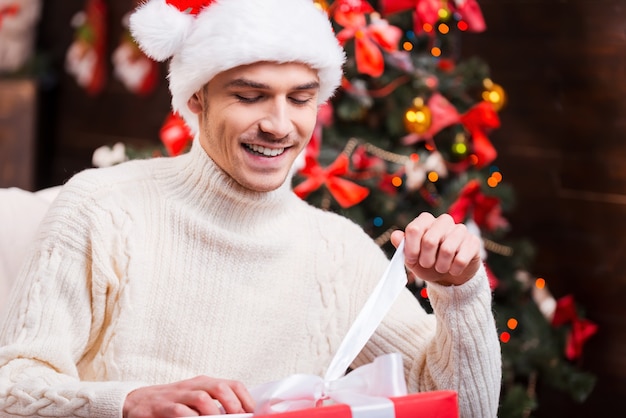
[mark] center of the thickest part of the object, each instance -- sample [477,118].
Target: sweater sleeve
[455,348]
[61,301]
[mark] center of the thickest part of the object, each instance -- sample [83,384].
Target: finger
[396,237]
[246,400]
[178,410]
[200,401]
[433,237]
[468,252]
[449,248]
[413,234]
[224,393]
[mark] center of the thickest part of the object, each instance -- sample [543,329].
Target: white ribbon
[366,388]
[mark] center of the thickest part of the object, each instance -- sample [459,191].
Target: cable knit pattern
[159,270]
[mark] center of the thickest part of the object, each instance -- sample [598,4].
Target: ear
[195,103]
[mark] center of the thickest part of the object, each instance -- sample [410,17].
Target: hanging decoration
[473,204]
[370,38]
[175,134]
[85,58]
[494,94]
[426,13]
[18,22]
[580,329]
[345,192]
[131,66]
[417,118]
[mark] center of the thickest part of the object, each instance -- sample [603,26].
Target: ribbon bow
[472,202]
[370,385]
[345,192]
[581,331]
[427,12]
[368,39]
[478,120]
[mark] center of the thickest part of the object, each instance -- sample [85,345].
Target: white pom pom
[160,28]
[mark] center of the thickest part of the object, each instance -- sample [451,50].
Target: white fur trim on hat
[231,33]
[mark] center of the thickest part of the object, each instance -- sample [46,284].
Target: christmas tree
[408,132]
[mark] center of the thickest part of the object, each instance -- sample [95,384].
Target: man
[159,287]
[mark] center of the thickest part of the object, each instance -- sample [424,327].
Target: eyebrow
[243,82]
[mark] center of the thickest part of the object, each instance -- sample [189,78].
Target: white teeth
[268,152]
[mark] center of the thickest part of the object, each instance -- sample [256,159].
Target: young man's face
[255,120]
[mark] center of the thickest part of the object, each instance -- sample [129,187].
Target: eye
[248,98]
[300,100]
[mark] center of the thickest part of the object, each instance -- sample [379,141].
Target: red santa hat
[206,37]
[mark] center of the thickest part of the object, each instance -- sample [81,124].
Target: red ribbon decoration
[581,331]
[479,120]
[484,210]
[345,192]
[10,10]
[175,134]
[368,39]
[470,12]
[427,12]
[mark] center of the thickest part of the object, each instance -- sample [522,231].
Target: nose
[277,121]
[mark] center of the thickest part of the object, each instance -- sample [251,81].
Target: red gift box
[436,404]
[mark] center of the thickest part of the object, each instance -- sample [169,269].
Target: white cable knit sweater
[159,270]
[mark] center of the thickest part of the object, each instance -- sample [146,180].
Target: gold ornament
[494,94]
[417,119]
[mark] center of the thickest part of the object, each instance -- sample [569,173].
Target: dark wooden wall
[561,146]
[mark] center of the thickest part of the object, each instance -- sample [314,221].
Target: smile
[268,152]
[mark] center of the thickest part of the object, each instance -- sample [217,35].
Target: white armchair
[21,212]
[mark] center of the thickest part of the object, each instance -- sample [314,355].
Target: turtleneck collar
[202,184]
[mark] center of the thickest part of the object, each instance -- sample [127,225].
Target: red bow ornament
[175,134]
[368,39]
[470,12]
[427,12]
[443,114]
[424,11]
[581,330]
[345,192]
[484,210]
[479,121]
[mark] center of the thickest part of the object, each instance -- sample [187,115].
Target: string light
[443,28]
[433,176]
[424,293]
[512,323]
[540,283]
[378,221]
[396,181]
[505,337]
[435,51]
[407,46]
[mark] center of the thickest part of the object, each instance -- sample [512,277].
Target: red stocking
[132,67]
[85,58]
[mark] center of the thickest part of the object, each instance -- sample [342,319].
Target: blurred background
[559,146]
